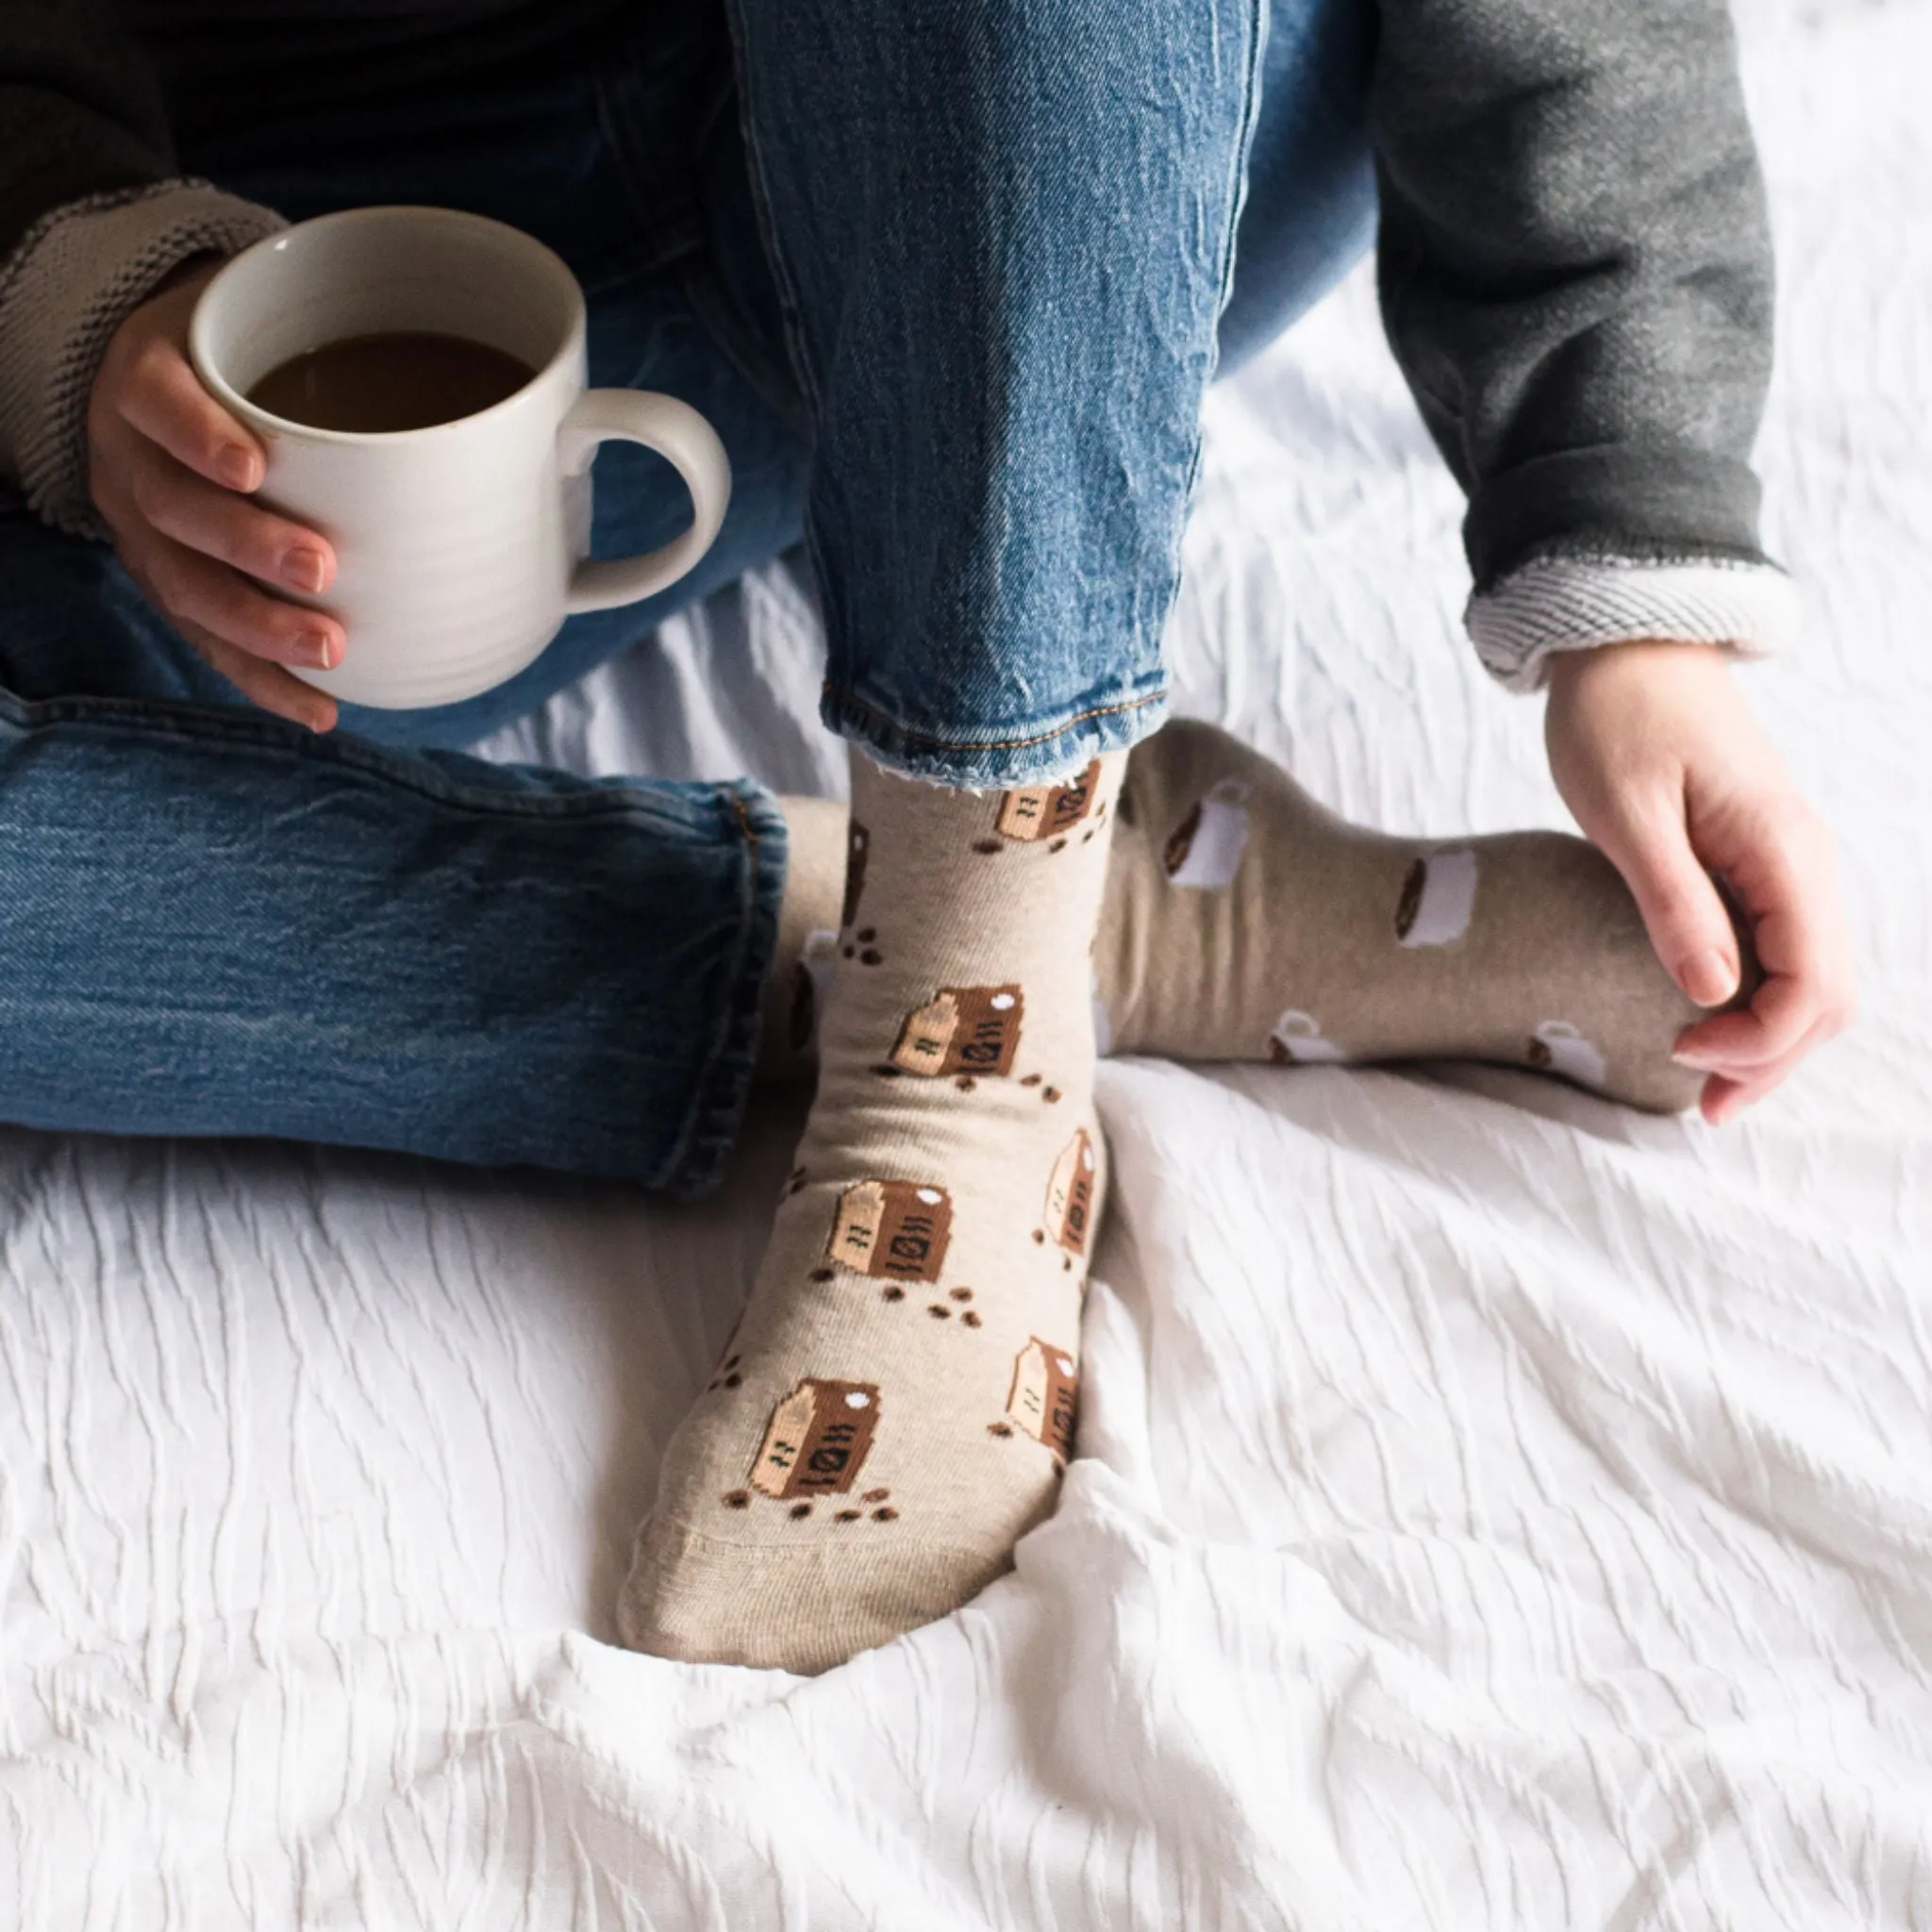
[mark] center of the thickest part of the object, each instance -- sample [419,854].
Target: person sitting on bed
[950,281]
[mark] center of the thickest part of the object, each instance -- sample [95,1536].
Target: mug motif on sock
[1437,898]
[1069,1193]
[817,1438]
[1205,850]
[1032,812]
[962,1029]
[858,843]
[894,1230]
[1558,1047]
[1297,1042]
[1045,1395]
[811,980]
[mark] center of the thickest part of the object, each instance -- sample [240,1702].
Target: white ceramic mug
[460,549]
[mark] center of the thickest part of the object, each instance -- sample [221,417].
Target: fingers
[195,590]
[265,684]
[1648,842]
[1785,872]
[162,398]
[1725,1097]
[1781,862]
[169,469]
[222,524]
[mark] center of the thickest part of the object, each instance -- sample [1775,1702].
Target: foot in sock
[895,1407]
[1242,920]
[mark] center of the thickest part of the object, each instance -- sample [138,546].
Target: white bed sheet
[1495,1509]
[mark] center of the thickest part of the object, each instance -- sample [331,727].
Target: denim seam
[768,229]
[196,724]
[850,701]
[1237,196]
[722,1088]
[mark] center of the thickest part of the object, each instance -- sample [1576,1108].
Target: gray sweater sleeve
[92,219]
[1575,275]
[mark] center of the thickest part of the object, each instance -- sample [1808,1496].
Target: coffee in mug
[401,379]
[417,377]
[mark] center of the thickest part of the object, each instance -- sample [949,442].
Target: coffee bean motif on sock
[1438,898]
[1029,814]
[1297,1041]
[1043,1397]
[894,1230]
[962,1031]
[1204,851]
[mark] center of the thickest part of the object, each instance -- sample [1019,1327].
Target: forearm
[1576,274]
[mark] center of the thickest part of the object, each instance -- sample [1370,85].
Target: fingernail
[1697,1062]
[1707,979]
[321,649]
[237,466]
[303,569]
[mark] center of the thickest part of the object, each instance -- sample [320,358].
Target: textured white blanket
[1495,1509]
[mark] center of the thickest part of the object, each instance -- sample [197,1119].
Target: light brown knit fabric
[898,1404]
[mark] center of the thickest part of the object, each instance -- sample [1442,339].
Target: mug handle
[688,443]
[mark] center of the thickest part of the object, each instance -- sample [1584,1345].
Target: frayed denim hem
[1029,755]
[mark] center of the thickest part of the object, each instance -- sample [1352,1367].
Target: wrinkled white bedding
[1496,1510]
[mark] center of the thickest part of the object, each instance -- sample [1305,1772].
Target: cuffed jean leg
[213,922]
[1003,233]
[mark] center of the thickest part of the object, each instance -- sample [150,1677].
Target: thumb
[1682,910]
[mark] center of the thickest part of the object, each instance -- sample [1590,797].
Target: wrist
[1559,607]
[1644,659]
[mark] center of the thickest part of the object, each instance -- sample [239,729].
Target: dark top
[1575,256]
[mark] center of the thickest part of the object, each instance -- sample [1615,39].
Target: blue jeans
[950,297]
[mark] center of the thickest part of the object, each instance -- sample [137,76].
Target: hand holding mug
[170,472]
[402,565]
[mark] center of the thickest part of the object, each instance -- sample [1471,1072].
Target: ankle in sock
[1243,920]
[897,1405]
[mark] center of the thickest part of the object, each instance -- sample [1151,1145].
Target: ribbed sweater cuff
[1562,602]
[65,291]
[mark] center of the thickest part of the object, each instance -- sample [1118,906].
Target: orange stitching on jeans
[745,821]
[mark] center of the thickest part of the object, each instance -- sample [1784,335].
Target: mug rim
[546,259]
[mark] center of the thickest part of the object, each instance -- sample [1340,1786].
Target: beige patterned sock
[1244,922]
[897,1405]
